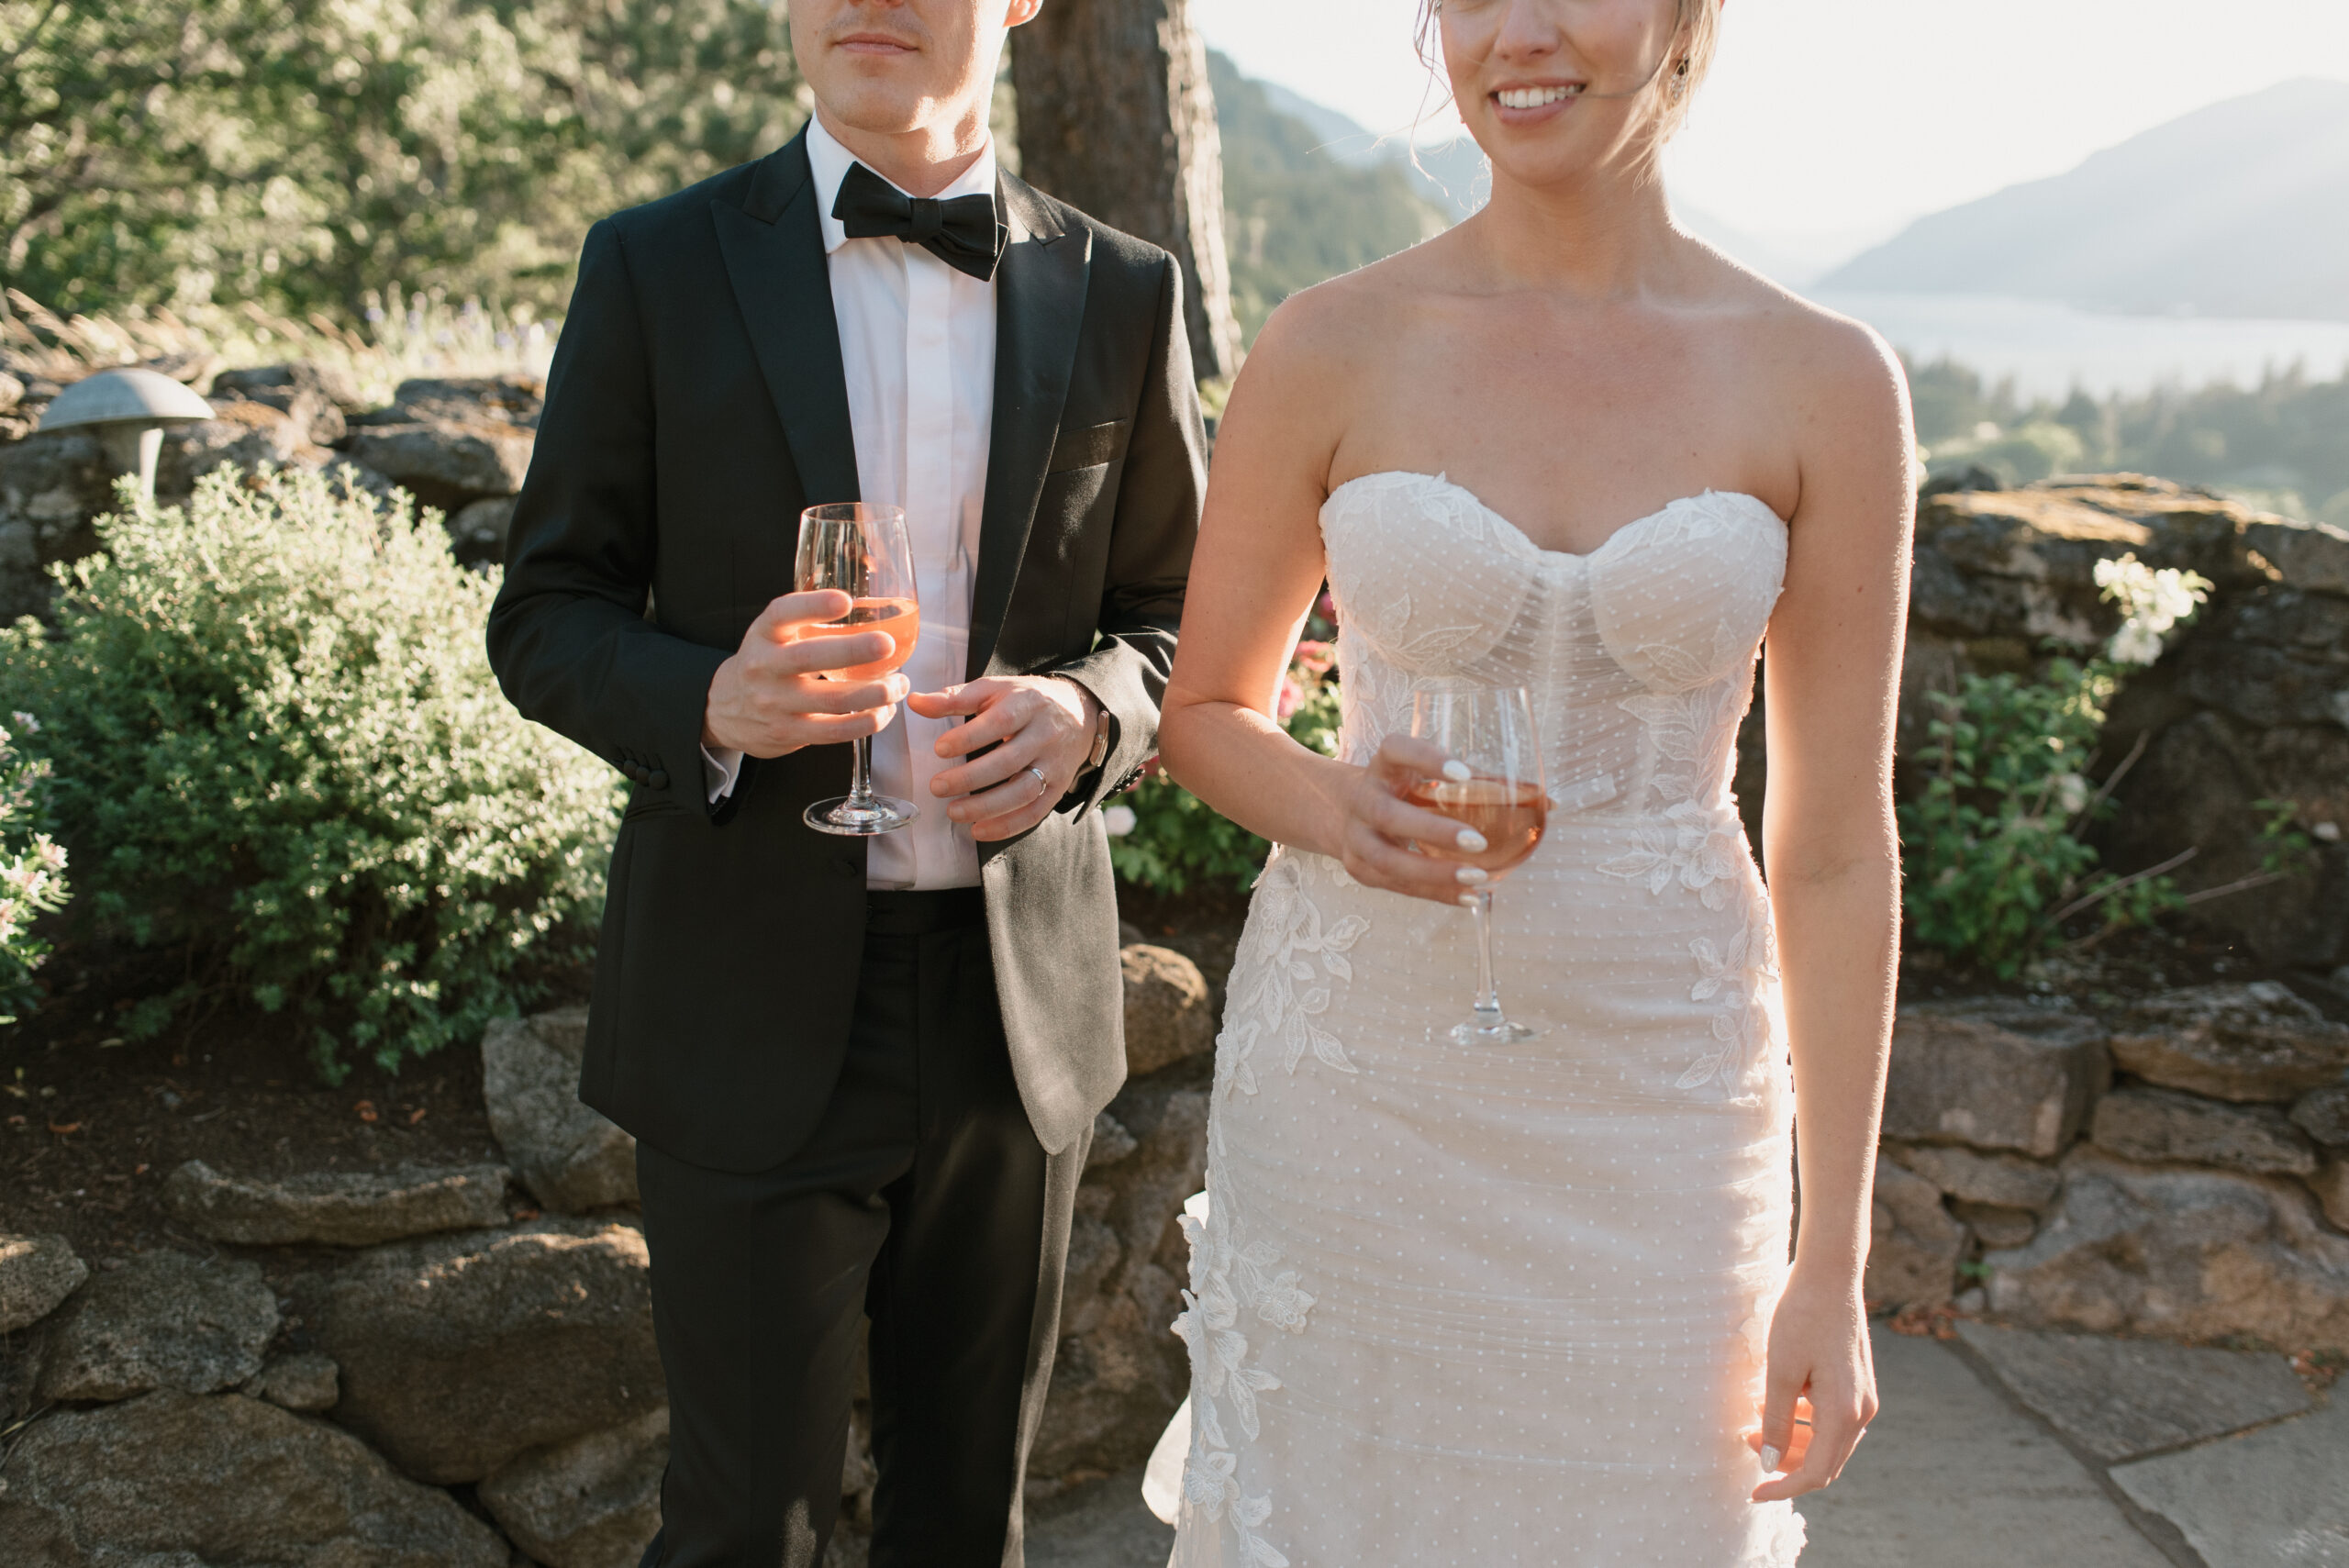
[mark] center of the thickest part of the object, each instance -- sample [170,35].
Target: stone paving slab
[1101,1524]
[1950,1476]
[2122,1399]
[2277,1497]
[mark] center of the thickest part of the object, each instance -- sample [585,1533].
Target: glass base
[869,819]
[1496,1030]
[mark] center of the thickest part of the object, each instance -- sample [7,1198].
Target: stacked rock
[357,1344]
[2179,1170]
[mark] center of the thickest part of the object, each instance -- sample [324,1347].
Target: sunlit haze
[1829,124]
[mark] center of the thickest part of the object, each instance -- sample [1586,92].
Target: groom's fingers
[783,618]
[998,766]
[998,711]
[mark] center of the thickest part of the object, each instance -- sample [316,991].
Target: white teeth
[1535,97]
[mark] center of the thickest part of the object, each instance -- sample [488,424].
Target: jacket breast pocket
[1091,446]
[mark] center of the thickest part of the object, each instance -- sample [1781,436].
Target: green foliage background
[281,758]
[294,152]
[1295,215]
[32,868]
[2283,443]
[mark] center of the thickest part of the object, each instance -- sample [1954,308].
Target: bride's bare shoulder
[1338,327]
[1821,353]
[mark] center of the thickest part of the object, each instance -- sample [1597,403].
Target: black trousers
[923,1202]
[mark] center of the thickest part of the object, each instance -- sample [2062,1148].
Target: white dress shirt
[918,342]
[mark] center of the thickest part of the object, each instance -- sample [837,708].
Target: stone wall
[462,445]
[2177,1168]
[2251,704]
[429,1368]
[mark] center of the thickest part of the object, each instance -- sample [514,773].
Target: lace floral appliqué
[1704,850]
[1281,978]
[1737,978]
[1229,1286]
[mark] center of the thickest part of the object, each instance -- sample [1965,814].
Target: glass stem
[859,788]
[1488,996]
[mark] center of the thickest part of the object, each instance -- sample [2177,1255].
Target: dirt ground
[91,1124]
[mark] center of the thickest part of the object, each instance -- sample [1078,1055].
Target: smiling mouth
[1536,97]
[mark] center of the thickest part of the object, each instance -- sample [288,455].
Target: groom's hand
[1040,727]
[771,698]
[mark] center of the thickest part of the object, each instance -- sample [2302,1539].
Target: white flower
[2135,643]
[2071,793]
[2152,603]
[1119,819]
[26,722]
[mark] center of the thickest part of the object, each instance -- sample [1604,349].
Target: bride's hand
[1819,1367]
[1385,841]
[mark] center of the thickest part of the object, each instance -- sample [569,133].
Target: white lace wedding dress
[1508,1306]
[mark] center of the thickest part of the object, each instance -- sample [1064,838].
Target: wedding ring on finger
[1045,783]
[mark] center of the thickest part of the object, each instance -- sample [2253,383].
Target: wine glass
[1495,787]
[862,550]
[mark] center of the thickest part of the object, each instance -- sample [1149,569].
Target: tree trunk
[1116,118]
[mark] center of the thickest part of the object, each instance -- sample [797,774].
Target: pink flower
[1292,697]
[1314,658]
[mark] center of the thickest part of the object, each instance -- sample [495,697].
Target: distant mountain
[2238,209]
[1772,261]
[1303,202]
[1449,177]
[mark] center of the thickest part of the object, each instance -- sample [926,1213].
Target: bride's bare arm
[1253,578]
[1832,850]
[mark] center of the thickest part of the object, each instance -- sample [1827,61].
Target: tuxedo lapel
[774,246]
[1039,307]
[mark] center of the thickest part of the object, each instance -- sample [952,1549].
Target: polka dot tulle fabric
[1489,1306]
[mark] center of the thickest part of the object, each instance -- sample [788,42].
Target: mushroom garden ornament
[130,407]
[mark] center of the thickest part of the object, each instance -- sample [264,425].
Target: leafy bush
[281,756]
[32,871]
[1169,837]
[1994,860]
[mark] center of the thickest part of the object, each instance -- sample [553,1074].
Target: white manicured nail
[1769,1457]
[1472,842]
[1471,876]
[1467,901]
[1457,772]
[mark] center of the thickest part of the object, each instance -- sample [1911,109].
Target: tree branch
[2110,888]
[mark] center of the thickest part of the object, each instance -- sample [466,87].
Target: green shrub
[1993,860]
[1173,839]
[32,871]
[279,756]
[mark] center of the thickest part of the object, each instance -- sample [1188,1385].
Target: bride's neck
[1606,234]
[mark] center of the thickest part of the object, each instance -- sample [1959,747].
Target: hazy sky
[1828,124]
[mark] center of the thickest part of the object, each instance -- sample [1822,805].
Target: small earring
[1680,80]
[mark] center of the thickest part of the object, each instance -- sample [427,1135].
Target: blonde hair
[1696,33]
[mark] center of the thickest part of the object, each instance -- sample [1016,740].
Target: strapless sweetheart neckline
[1666,510]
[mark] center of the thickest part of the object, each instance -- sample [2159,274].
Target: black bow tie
[962,233]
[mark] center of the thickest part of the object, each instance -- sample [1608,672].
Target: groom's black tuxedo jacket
[697,404]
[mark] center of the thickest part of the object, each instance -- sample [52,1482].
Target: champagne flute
[863,551]
[1496,788]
